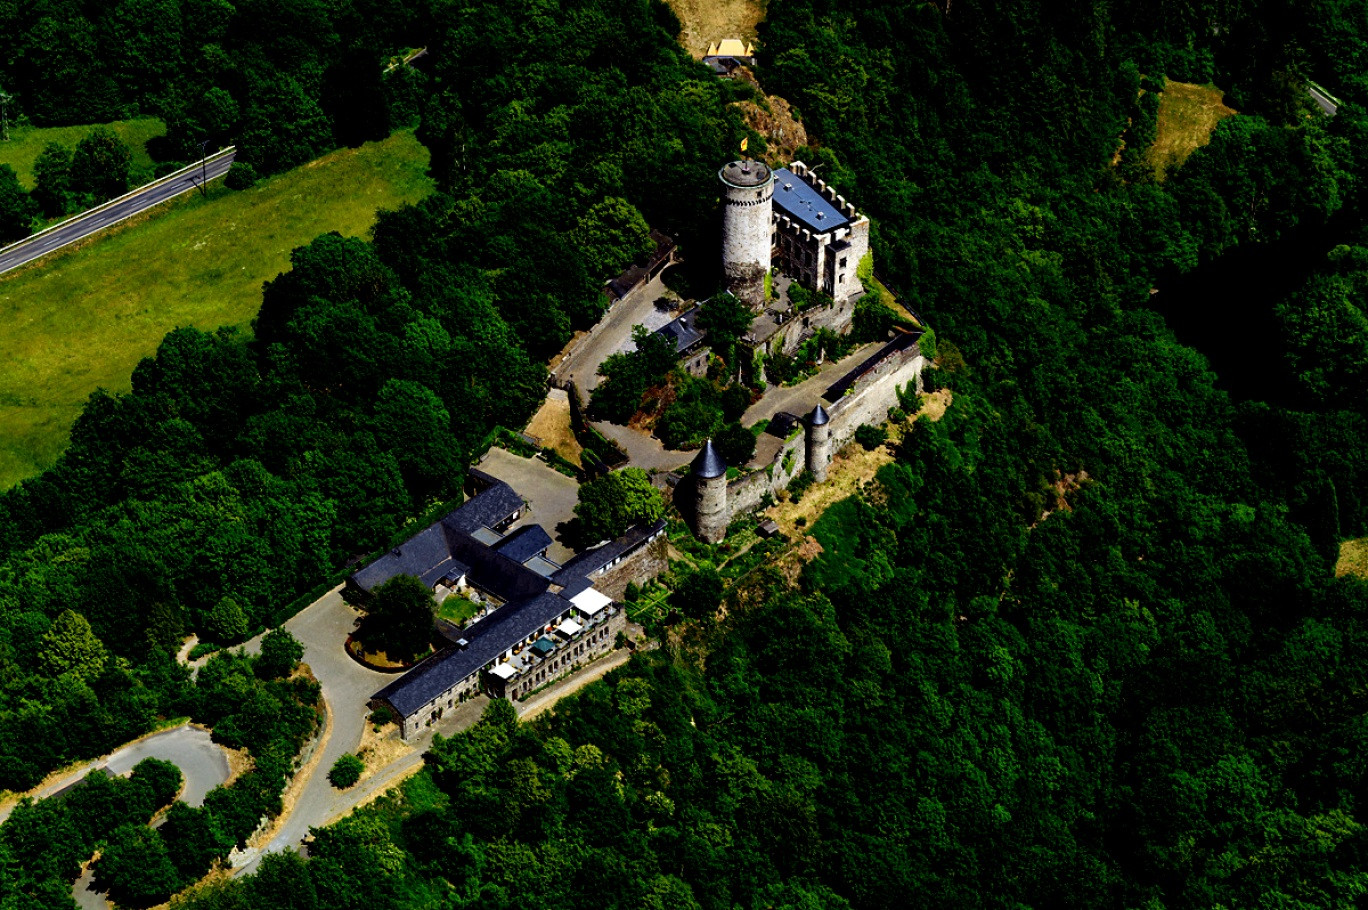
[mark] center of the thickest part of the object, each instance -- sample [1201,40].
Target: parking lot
[550,495]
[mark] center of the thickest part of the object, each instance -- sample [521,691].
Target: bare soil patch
[706,21]
[1188,114]
[379,750]
[1353,558]
[773,118]
[551,425]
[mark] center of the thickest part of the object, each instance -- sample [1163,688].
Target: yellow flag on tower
[745,142]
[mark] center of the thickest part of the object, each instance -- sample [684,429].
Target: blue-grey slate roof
[489,508]
[800,200]
[819,416]
[684,331]
[431,553]
[488,638]
[709,462]
[422,554]
[524,543]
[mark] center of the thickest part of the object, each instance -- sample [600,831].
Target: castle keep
[792,216]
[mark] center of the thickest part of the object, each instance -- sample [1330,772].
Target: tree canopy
[610,504]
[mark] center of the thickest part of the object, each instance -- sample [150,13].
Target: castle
[790,217]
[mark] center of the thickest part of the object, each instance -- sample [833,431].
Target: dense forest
[1151,697]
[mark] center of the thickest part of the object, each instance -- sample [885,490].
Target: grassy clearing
[26,142]
[82,319]
[1353,558]
[457,609]
[1188,114]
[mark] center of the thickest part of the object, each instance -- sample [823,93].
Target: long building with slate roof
[541,620]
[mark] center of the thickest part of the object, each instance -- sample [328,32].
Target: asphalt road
[83,226]
[1327,106]
[612,335]
[322,628]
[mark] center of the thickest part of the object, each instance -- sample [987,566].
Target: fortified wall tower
[711,515]
[818,442]
[747,223]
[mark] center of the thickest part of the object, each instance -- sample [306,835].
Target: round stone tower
[711,515]
[747,223]
[818,442]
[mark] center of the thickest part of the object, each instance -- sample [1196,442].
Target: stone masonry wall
[746,493]
[872,397]
[836,317]
[639,568]
[868,402]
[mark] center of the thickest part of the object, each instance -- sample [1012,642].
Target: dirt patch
[239,763]
[706,21]
[1059,490]
[380,750]
[1353,558]
[1188,114]
[376,660]
[551,426]
[850,470]
[933,404]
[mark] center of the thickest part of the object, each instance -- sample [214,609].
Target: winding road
[121,209]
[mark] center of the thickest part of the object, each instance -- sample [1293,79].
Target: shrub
[871,437]
[226,623]
[688,423]
[241,176]
[280,651]
[346,771]
[735,444]
[927,343]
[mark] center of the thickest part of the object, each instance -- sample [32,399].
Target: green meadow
[82,319]
[26,142]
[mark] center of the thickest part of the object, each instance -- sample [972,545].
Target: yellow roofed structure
[731,47]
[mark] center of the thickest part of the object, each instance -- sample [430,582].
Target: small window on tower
[843,262]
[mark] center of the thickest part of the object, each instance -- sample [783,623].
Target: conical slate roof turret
[819,416]
[709,464]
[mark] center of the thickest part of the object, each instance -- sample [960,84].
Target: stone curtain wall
[868,402]
[836,317]
[746,493]
[639,568]
[871,398]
